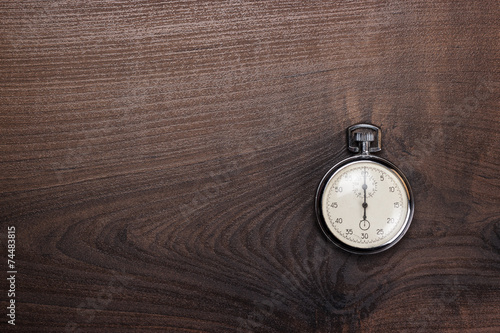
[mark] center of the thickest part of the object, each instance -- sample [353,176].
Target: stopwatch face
[364,206]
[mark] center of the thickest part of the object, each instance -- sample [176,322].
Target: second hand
[364,194]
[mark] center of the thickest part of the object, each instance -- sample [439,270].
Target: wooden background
[159,162]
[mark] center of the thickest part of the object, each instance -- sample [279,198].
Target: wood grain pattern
[159,162]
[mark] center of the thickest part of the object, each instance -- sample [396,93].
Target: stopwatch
[364,204]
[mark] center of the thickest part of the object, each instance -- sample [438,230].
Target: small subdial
[364,225]
[371,187]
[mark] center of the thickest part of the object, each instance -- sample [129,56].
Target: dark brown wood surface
[159,162]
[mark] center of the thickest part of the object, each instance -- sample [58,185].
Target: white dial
[365,204]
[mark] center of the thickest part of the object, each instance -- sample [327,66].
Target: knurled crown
[364,136]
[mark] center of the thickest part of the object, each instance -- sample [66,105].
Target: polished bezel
[321,218]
